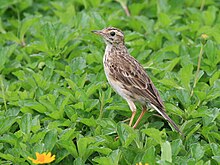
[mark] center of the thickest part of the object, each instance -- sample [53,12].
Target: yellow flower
[43,158]
[204,36]
[141,163]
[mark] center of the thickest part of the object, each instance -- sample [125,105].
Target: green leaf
[209,15]
[197,151]
[26,24]
[166,151]
[215,149]
[149,156]
[6,123]
[69,146]
[26,122]
[186,76]
[164,19]
[50,139]
[154,133]
[9,138]
[176,145]
[78,65]
[101,150]
[129,154]
[171,83]
[108,126]
[91,122]
[78,161]
[35,126]
[82,145]
[112,159]
[37,137]
[126,134]
[217,158]
[103,160]
[5,53]
[214,77]
[33,104]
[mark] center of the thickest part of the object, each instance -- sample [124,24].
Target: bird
[128,78]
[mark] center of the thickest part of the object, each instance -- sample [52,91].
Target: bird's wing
[133,77]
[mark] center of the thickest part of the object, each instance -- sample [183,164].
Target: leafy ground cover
[54,96]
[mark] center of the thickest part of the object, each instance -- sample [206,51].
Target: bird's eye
[112,33]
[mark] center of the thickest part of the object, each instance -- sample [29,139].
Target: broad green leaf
[101,150]
[176,145]
[68,134]
[69,146]
[91,104]
[164,19]
[154,133]
[33,105]
[217,158]
[50,139]
[9,138]
[214,77]
[166,151]
[112,159]
[78,65]
[115,156]
[25,25]
[89,122]
[108,126]
[103,160]
[129,154]
[209,15]
[149,156]
[78,161]
[39,136]
[186,76]
[171,83]
[197,151]
[82,145]
[126,134]
[215,149]
[26,122]
[174,109]
[5,53]
[6,123]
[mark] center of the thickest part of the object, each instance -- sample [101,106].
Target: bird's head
[111,35]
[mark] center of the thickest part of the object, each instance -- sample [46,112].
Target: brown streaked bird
[128,78]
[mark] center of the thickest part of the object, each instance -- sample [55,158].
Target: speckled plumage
[128,78]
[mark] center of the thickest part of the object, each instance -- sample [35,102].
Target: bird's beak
[99,32]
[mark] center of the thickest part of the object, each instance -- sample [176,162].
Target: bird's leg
[133,109]
[132,118]
[144,109]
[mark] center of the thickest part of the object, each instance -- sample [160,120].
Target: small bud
[41,65]
[204,38]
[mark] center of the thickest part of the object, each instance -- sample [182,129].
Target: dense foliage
[54,96]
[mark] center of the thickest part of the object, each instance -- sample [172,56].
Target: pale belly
[117,86]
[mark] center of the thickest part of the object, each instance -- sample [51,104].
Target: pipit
[128,78]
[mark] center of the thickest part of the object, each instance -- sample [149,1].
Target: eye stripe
[118,30]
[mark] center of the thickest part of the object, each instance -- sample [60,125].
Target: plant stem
[101,99]
[3,93]
[202,5]
[198,68]
[125,7]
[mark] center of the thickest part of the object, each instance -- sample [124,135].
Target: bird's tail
[165,116]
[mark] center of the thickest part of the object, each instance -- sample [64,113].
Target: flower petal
[43,158]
